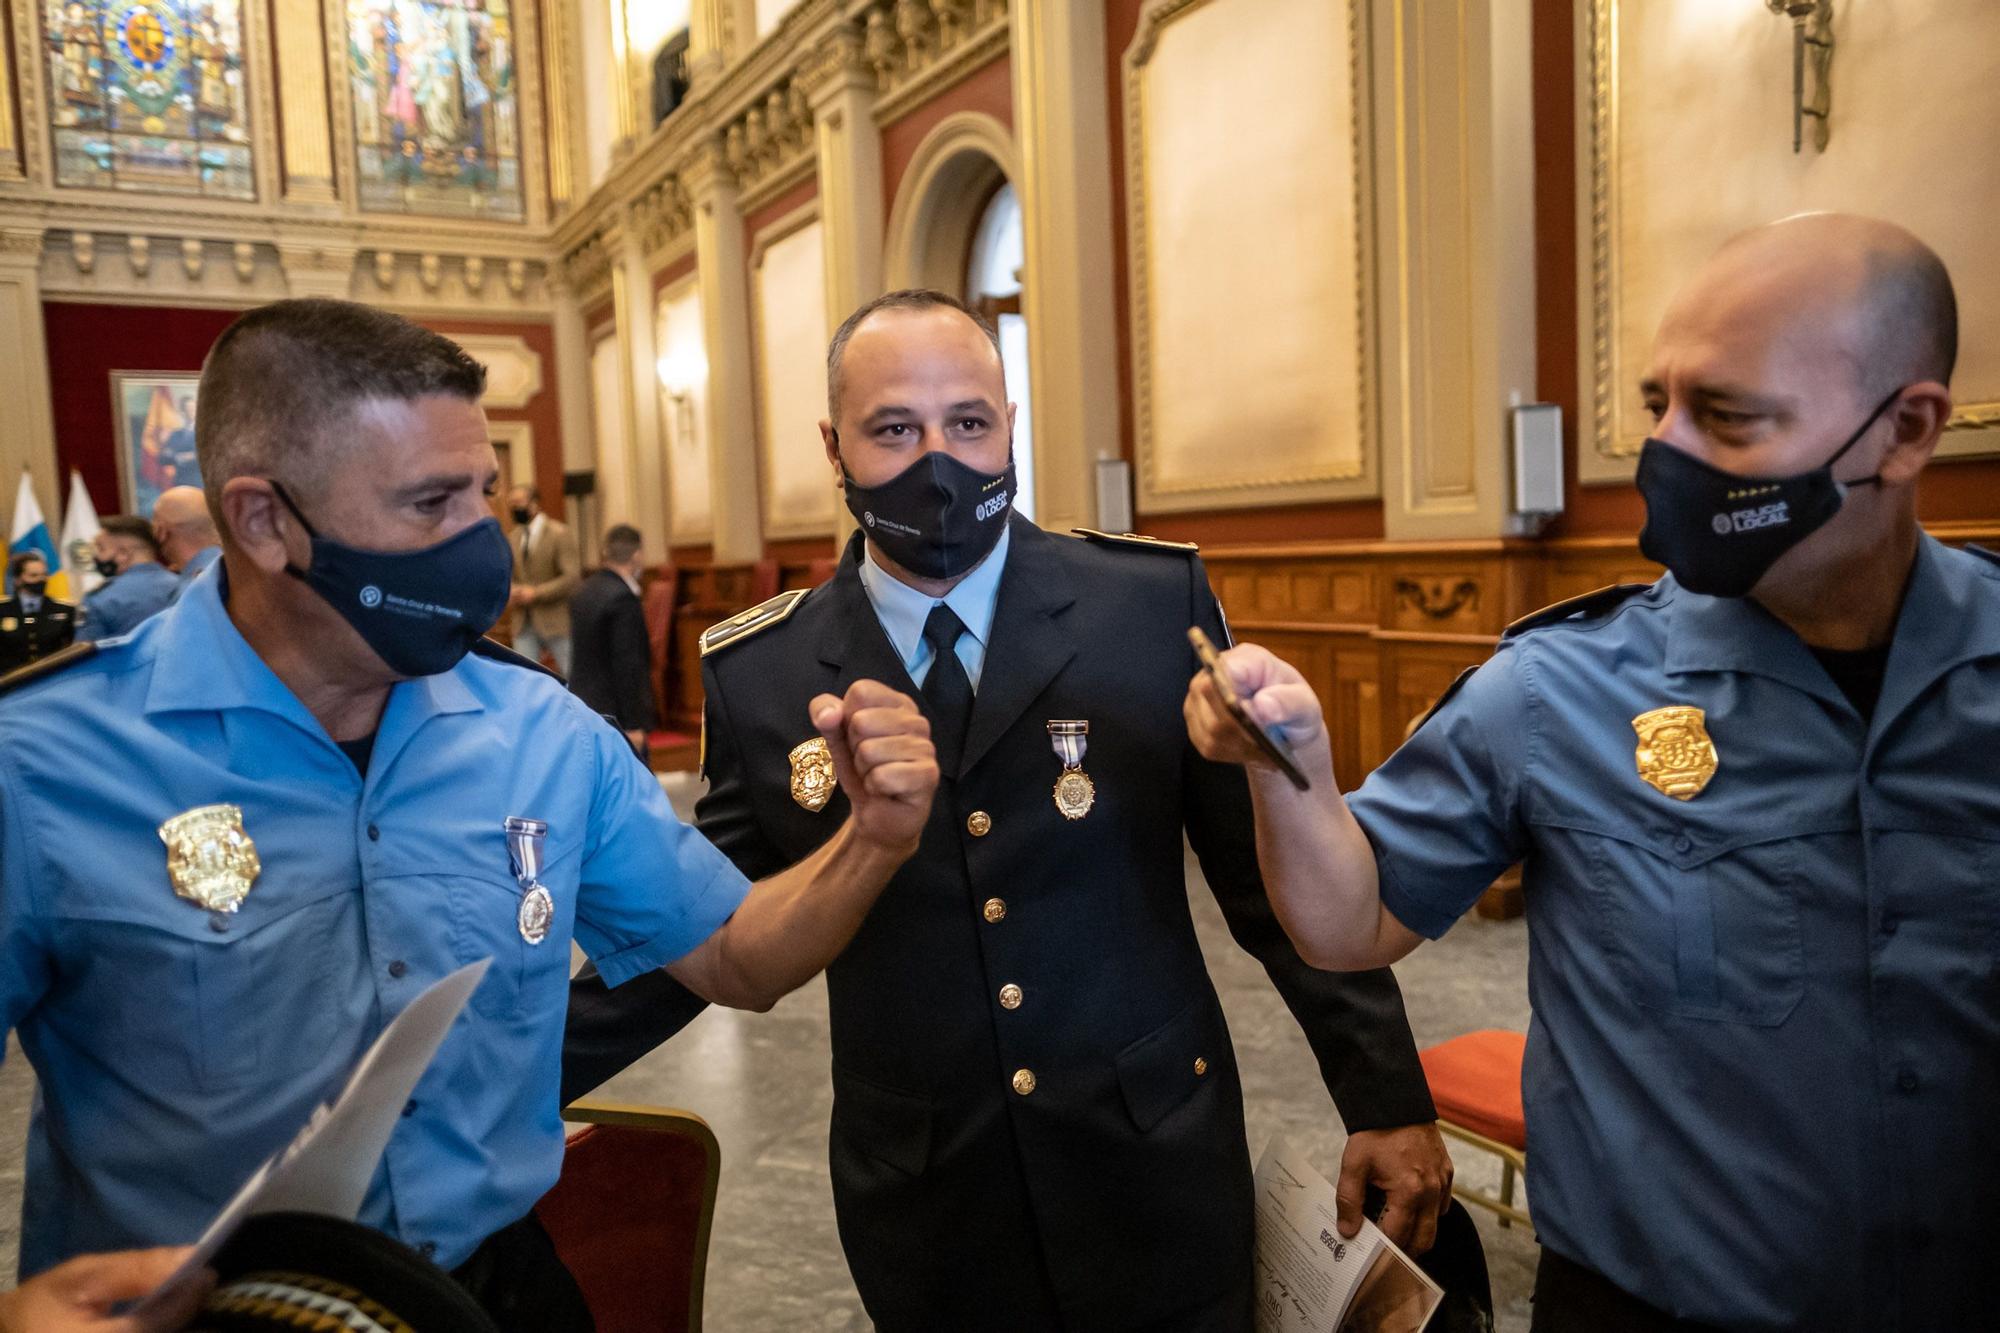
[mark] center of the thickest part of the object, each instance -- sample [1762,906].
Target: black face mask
[421,611]
[936,518]
[105,568]
[522,516]
[1719,533]
[33,587]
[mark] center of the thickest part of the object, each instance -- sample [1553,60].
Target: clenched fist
[883,759]
[1273,692]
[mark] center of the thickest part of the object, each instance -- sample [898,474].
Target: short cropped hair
[621,543]
[132,528]
[19,561]
[282,384]
[909,298]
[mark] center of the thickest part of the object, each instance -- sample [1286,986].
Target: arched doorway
[956,227]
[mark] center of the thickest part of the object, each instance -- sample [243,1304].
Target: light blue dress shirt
[1765,1052]
[176,1048]
[903,610]
[192,570]
[124,601]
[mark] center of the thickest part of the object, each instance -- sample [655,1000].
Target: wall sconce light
[680,372]
[1812,27]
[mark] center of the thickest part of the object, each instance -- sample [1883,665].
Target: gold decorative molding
[918,48]
[663,217]
[1248,486]
[586,269]
[938,203]
[769,147]
[307,138]
[778,525]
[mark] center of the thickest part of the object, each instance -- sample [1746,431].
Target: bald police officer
[236,843]
[1757,806]
[1038,1121]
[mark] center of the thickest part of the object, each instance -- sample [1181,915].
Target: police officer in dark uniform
[1038,1121]
[32,624]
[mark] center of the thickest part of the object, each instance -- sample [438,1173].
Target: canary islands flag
[31,530]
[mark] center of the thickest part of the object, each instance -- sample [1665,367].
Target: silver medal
[1075,793]
[524,850]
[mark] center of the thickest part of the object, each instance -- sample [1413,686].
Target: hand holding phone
[1273,749]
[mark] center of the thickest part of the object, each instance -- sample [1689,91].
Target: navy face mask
[936,518]
[421,611]
[1719,533]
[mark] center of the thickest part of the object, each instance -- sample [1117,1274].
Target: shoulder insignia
[1458,683]
[495,651]
[1590,604]
[754,621]
[1135,539]
[60,660]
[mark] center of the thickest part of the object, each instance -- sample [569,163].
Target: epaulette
[495,651]
[1590,604]
[1135,539]
[1457,683]
[754,621]
[60,660]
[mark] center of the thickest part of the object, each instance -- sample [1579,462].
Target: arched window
[993,287]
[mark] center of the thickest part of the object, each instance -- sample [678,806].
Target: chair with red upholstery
[631,1212]
[1476,1082]
[658,607]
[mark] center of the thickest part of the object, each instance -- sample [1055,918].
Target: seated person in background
[1757,806]
[185,534]
[611,663]
[32,624]
[136,583]
[236,843]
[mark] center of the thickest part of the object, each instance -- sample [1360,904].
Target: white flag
[79,531]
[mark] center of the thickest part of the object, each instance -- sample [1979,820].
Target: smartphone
[1276,750]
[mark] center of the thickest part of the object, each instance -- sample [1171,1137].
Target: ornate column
[10,127]
[723,267]
[1062,123]
[572,341]
[300,37]
[563,86]
[1454,132]
[632,300]
[718,32]
[30,440]
[841,86]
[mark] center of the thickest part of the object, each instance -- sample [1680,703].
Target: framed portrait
[154,413]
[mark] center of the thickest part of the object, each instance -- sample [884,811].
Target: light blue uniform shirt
[903,610]
[1765,1055]
[176,1049]
[124,601]
[192,570]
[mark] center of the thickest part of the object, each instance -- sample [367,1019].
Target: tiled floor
[761,1081]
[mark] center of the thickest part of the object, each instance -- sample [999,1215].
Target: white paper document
[329,1162]
[1310,1279]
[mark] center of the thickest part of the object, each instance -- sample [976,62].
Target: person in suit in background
[136,583]
[1038,1119]
[611,664]
[547,568]
[32,624]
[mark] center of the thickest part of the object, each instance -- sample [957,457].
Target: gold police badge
[1675,755]
[210,859]
[813,782]
[8,624]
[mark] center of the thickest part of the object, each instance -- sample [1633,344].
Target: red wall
[87,342]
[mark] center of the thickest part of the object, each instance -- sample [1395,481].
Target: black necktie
[947,689]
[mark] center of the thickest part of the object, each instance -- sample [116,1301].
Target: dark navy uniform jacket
[1071,1153]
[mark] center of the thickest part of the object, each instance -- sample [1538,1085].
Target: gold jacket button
[1200,1066]
[1024,1081]
[1010,996]
[979,823]
[995,911]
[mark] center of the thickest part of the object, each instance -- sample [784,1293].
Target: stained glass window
[436,116]
[149,95]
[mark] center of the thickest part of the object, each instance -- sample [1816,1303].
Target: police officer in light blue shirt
[235,843]
[1758,809]
[136,586]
